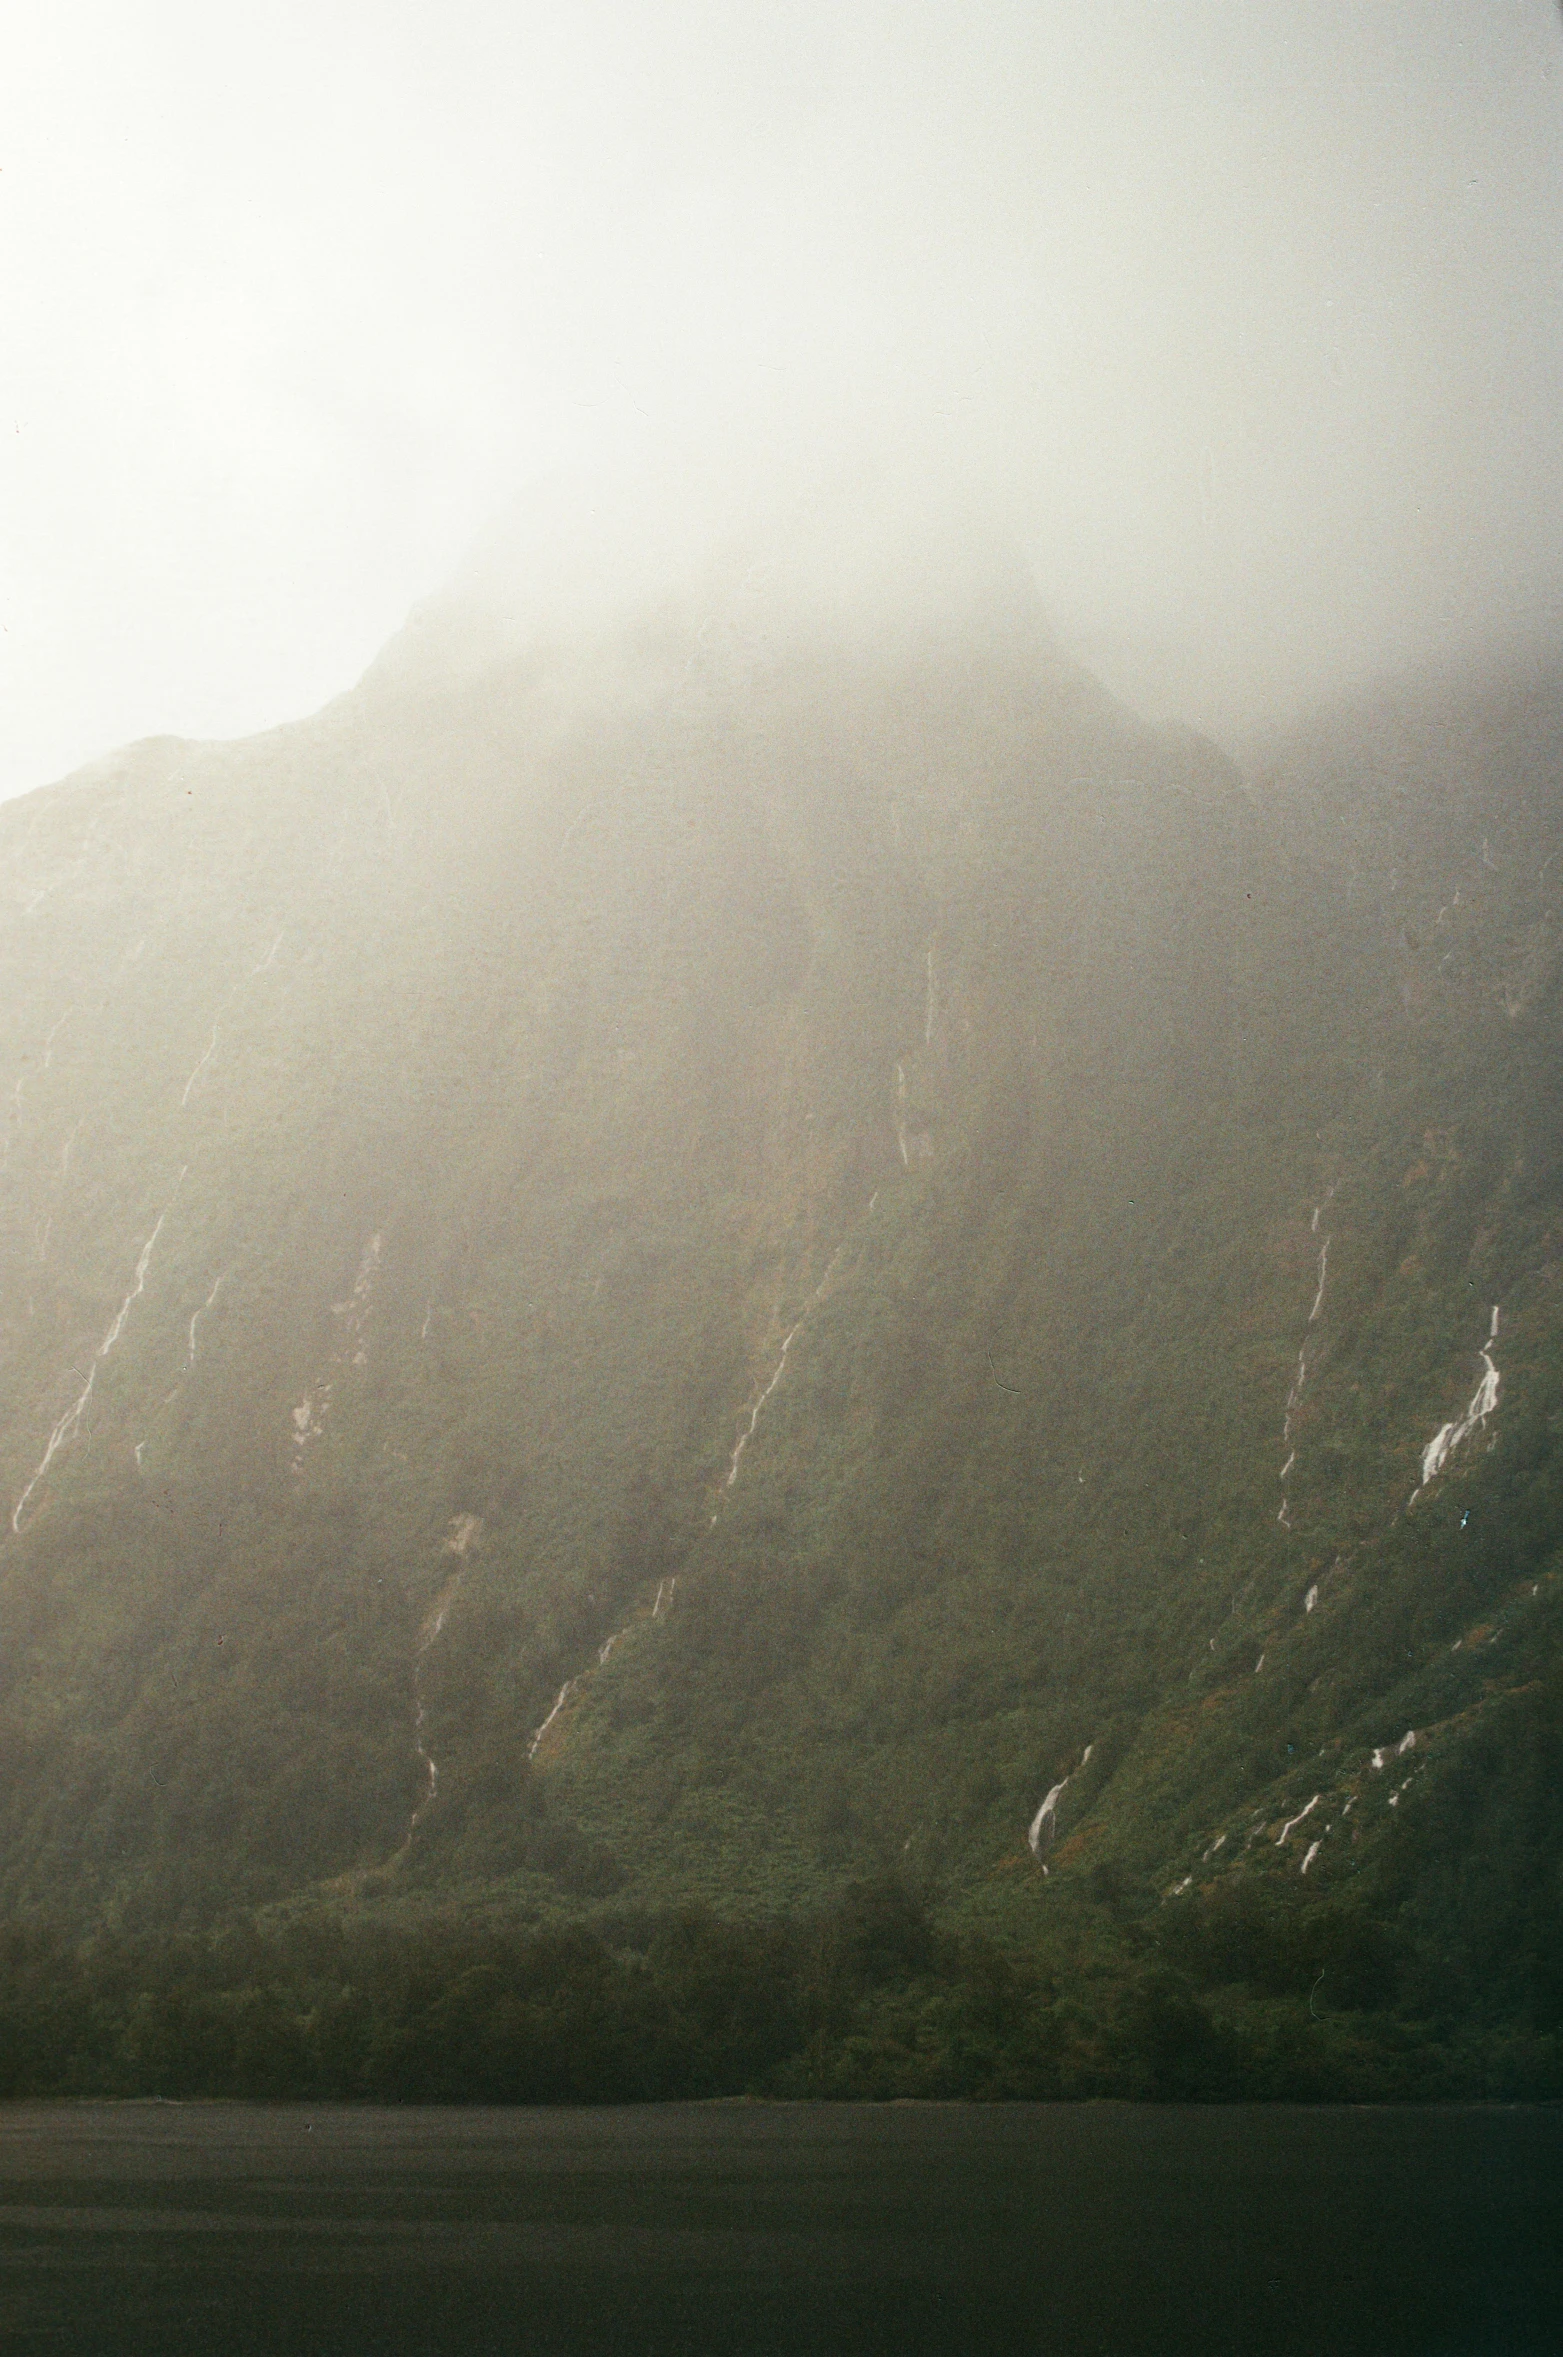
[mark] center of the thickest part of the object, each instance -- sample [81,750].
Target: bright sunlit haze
[1244,323]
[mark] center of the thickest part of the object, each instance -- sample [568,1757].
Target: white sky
[1247,313]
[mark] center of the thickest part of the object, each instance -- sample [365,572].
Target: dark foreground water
[227,2228]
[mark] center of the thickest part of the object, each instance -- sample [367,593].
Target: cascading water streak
[780,1368]
[1479,1407]
[1294,1396]
[70,1423]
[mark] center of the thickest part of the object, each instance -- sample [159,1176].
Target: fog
[1243,324]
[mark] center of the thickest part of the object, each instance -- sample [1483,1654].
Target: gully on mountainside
[265,966]
[1294,1396]
[466,1530]
[1435,1456]
[662,1603]
[309,1417]
[70,1423]
[1482,1403]
[560,1699]
[217,1286]
[746,1434]
[1044,1825]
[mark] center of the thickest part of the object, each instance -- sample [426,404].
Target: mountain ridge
[671,1278]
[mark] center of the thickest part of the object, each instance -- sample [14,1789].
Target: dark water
[224,2228]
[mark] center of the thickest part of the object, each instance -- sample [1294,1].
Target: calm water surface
[1107,2228]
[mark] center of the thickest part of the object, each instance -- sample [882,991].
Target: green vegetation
[1223,1999]
[917,1071]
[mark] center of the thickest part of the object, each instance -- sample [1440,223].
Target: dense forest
[1218,1998]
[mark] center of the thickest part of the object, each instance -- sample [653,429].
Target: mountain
[680,1266]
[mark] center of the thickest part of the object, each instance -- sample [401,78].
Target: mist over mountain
[1246,326]
[755,1242]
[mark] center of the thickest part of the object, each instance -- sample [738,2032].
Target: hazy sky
[1246,314]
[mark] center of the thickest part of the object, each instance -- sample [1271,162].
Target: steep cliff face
[640,1276]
